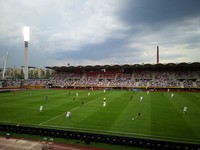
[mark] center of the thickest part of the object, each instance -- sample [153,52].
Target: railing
[101,138]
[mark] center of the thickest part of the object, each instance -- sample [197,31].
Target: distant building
[34,73]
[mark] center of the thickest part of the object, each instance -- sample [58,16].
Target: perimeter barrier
[100,138]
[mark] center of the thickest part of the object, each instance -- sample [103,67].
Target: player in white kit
[41,108]
[172,95]
[141,98]
[68,114]
[104,103]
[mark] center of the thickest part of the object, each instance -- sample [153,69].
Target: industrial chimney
[157,54]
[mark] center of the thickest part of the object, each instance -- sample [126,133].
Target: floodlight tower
[26,40]
[157,54]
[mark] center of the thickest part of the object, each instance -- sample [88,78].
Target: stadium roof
[194,65]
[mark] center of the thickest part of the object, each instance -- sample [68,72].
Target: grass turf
[161,116]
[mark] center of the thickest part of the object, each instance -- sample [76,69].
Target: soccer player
[138,115]
[141,98]
[147,92]
[172,95]
[184,109]
[46,97]
[88,93]
[77,94]
[131,97]
[68,114]
[104,103]
[41,108]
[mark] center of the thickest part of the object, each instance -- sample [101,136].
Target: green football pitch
[161,116]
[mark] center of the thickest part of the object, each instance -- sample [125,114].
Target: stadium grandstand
[181,76]
[135,79]
[159,76]
[170,75]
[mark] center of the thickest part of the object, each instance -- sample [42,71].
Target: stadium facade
[182,75]
[159,76]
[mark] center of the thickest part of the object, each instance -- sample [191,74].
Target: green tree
[36,74]
[42,74]
[48,75]
[31,74]
[21,75]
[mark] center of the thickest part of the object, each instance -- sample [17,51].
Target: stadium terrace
[160,76]
[182,75]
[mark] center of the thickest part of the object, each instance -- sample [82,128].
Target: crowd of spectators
[12,82]
[143,74]
[70,82]
[186,74]
[59,79]
[21,82]
[137,78]
[163,79]
[89,79]
[198,83]
[107,75]
[122,80]
[73,76]
[188,83]
[33,82]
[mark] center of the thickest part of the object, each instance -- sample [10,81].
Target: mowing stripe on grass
[161,116]
[112,132]
[64,112]
[51,119]
[125,133]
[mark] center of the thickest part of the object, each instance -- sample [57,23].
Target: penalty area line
[51,119]
[57,116]
[64,112]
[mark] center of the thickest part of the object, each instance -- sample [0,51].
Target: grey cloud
[65,30]
[158,13]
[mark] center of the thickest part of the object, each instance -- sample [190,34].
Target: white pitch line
[64,113]
[51,119]
[105,131]
[59,115]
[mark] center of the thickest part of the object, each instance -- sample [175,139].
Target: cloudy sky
[99,32]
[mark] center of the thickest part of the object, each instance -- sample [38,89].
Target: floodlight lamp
[26,34]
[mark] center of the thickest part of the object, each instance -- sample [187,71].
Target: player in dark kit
[82,102]
[138,115]
[131,97]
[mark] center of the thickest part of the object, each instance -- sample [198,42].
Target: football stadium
[152,106]
[88,75]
